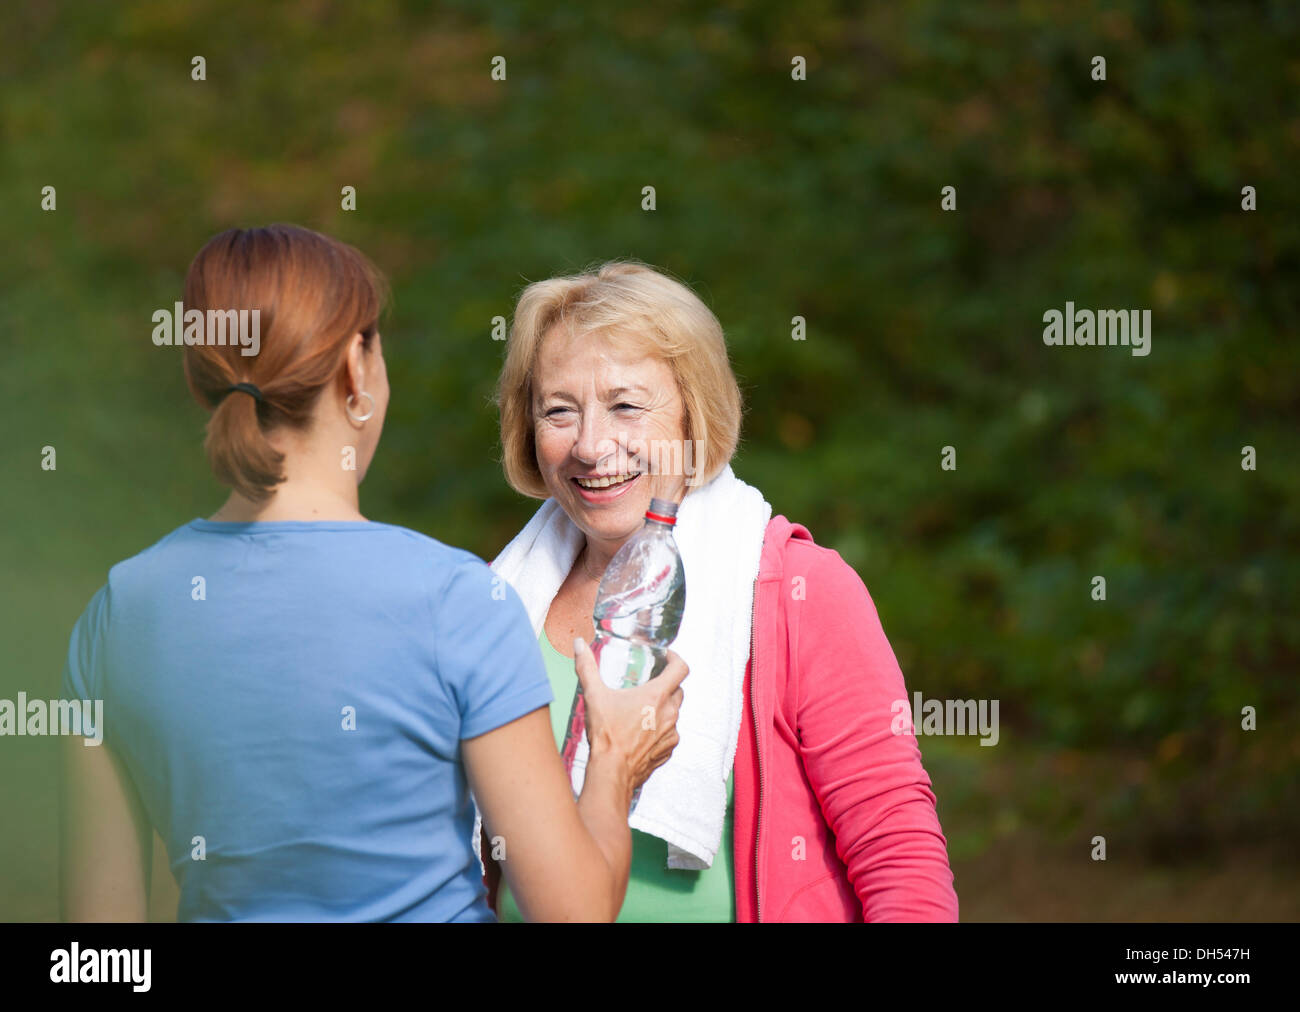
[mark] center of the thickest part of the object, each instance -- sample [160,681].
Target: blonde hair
[622,300]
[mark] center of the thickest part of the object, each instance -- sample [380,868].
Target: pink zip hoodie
[835,816]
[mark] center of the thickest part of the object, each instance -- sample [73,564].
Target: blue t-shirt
[289,700]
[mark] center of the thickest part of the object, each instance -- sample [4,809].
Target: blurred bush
[776,198]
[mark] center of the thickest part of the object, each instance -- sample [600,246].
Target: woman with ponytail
[299,699]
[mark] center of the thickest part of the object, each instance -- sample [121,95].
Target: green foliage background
[776,198]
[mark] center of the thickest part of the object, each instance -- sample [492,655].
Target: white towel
[719,532]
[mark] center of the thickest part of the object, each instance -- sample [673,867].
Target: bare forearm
[603,804]
[106,841]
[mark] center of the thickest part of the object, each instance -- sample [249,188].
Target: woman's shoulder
[197,539]
[453,569]
[144,560]
[445,568]
[789,550]
[823,605]
[816,583]
[428,546]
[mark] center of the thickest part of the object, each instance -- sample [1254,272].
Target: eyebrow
[614,394]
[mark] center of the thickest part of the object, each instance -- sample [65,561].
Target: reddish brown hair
[313,293]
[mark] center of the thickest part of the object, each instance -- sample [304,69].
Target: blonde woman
[789,797]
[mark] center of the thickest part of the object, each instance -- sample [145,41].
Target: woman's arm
[164,891]
[107,841]
[872,787]
[567,862]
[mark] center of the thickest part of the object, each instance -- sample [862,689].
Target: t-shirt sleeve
[82,671]
[487,655]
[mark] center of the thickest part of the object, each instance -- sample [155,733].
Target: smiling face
[598,410]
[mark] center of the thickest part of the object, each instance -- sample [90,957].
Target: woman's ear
[356,377]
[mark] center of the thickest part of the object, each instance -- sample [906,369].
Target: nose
[595,437]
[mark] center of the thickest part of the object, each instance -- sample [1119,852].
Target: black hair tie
[247,388]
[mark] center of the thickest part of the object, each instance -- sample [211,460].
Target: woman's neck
[292,500]
[596,556]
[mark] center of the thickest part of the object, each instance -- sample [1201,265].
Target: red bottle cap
[662,510]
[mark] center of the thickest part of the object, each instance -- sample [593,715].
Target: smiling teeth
[606,482]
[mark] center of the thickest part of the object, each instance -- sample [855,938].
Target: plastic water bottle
[638,611]
[640,602]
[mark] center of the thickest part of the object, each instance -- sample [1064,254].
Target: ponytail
[239,451]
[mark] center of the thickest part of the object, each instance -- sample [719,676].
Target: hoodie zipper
[758,749]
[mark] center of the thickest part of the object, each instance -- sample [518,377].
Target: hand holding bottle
[638,610]
[636,727]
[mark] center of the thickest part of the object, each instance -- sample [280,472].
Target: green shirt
[654,892]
